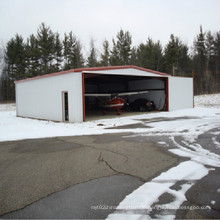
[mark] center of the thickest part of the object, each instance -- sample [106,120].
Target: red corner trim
[167,95]
[83,97]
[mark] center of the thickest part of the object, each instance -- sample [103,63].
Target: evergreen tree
[92,58]
[73,57]
[15,68]
[217,61]
[176,58]
[200,62]
[210,68]
[66,52]
[79,55]
[171,55]
[150,55]
[45,52]
[1,59]
[46,43]
[105,56]
[184,67]
[142,56]
[6,90]
[134,58]
[32,56]
[3,88]
[114,55]
[159,58]
[58,52]
[124,46]
[121,52]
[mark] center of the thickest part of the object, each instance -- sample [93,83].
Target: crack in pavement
[101,159]
[37,168]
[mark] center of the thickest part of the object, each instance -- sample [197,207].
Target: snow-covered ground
[187,123]
[141,203]
[15,128]
[208,100]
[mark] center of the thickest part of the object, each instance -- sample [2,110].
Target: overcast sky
[102,19]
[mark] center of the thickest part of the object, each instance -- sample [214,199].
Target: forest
[47,52]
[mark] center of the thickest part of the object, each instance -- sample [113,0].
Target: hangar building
[58,95]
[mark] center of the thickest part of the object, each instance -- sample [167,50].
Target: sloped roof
[98,69]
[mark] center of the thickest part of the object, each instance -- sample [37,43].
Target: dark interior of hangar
[114,84]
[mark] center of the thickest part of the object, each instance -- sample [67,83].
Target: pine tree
[184,67]
[176,57]
[58,54]
[79,55]
[142,56]
[200,62]
[3,80]
[150,55]
[210,69]
[124,45]
[92,58]
[105,56]
[114,57]
[121,52]
[15,64]
[217,61]
[134,58]
[73,57]
[46,42]
[32,56]
[158,56]
[171,55]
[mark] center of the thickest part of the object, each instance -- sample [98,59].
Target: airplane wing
[132,93]
[97,95]
[115,94]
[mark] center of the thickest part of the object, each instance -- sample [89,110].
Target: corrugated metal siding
[180,93]
[42,98]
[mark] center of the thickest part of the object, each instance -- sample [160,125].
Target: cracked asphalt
[102,169]
[88,176]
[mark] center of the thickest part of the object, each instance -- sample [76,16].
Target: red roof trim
[93,69]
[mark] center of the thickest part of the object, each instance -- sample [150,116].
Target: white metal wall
[180,93]
[42,98]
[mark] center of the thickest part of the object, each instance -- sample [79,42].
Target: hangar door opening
[98,88]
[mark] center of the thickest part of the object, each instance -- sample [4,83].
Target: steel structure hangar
[56,95]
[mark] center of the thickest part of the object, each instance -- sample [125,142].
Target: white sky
[102,19]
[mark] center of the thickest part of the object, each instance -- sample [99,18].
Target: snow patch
[212,100]
[217,144]
[146,195]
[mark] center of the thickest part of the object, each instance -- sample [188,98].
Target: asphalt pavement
[86,177]
[94,199]
[90,168]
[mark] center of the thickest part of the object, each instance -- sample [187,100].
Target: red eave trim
[45,76]
[93,69]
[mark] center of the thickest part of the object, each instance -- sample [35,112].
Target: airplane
[115,102]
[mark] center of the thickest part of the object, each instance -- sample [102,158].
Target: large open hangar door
[113,84]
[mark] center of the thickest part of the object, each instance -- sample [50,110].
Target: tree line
[45,52]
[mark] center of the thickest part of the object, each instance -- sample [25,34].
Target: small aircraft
[115,102]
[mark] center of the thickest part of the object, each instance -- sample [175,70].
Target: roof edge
[91,69]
